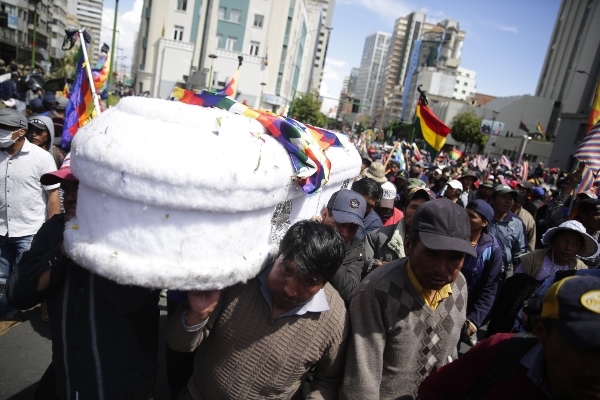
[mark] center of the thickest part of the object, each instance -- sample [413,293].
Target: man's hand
[202,304]
[573,180]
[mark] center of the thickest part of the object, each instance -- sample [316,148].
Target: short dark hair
[368,187]
[414,238]
[317,249]
[394,164]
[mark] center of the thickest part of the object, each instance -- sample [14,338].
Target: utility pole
[112,46]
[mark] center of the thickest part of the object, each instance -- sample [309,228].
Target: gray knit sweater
[244,353]
[397,340]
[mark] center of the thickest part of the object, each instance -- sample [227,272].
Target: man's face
[347,231]
[475,220]
[288,287]
[70,198]
[573,374]
[371,203]
[452,193]
[37,136]
[485,192]
[591,221]
[502,202]
[411,208]
[434,268]
[467,182]
[395,169]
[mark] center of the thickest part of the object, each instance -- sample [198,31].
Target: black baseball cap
[589,206]
[347,206]
[504,189]
[443,225]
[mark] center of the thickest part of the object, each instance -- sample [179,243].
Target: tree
[307,109]
[68,65]
[465,129]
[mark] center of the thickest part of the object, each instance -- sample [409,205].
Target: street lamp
[525,139]
[262,88]
[213,56]
[579,71]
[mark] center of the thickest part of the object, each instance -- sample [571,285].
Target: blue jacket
[9,90]
[510,233]
[371,222]
[482,274]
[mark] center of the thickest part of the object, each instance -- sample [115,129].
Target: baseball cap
[42,122]
[589,206]
[423,192]
[402,174]
[590,194]
[347,206]
[526,185]
[488,183]
[389,195]
[12,118]
[63,174]
[60,103]
[443,225]
[414,182]
[573,304]
[482,208]
[455,184]
[504,189]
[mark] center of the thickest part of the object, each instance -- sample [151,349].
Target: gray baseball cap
[12,118]
[347,206]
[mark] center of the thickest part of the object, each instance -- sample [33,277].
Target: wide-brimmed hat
[376,171]
[590,246]
[443,225]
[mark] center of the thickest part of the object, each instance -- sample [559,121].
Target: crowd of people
[370,299]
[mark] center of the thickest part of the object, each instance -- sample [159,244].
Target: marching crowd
[370,299]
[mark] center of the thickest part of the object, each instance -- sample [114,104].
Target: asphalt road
[26,352]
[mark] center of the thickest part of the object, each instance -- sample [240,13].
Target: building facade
[371,70]
[89,14]
[574,47]
[465,86]
[204,39]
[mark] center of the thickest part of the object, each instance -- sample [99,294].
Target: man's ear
[540,330]
[324,213]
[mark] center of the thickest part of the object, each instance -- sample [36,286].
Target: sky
[505,43]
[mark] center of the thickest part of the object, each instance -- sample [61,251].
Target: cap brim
[513,192]
[580,334]
[436,241]
[386,203]
[52,178]
[343,217]
[376,179]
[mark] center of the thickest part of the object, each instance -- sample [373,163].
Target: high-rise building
[415,43]
[275,38]
[347,98]
[325,8]
[569,76]
[89,14]
[371,70]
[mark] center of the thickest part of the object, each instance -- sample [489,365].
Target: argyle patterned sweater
[244,353]
[397,340]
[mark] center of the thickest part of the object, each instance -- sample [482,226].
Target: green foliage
[465,129]
[307,109]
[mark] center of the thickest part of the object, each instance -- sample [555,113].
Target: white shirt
[22,196]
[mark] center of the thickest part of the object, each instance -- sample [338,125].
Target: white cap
[389,195]
[455,184]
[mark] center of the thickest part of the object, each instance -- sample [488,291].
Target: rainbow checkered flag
[505,161]
[589,150]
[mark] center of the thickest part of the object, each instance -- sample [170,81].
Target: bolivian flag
[433,130]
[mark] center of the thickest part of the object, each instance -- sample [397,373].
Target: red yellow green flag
[595,113]
[433,130]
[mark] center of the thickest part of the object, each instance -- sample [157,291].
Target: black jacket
[347,277]
[105,335]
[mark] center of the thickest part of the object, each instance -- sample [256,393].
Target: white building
[466,84]
[371,70]
[206,38]
[89,14]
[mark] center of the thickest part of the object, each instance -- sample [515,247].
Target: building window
[258,20]
[222,11]
[219,41]
[178,32]
[230,43]
[463,92]
[235,16]
[468,75]
[254,48]
[465,83]
[181,5]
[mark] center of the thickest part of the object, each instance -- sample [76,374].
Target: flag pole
[88,70]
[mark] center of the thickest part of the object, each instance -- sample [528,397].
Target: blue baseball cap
[347,206]
[482,208]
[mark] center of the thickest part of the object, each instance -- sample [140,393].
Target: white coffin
[182,197]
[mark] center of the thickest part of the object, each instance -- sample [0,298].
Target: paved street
[26,352]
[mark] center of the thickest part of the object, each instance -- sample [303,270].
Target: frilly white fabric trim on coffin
[182,197]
